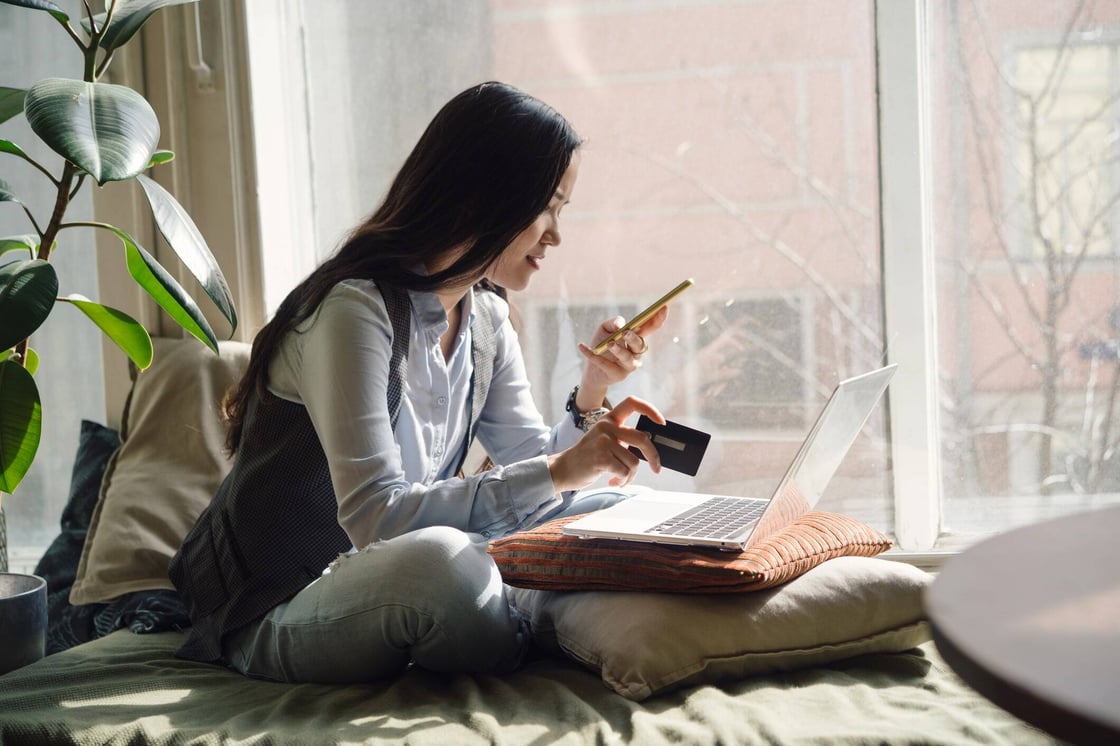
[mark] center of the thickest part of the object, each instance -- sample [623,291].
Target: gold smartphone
[643,317]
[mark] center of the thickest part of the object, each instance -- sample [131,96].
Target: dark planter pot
[23,620]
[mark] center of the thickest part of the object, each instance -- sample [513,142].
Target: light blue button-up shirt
[390,482]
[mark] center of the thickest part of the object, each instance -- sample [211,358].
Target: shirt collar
[429,311]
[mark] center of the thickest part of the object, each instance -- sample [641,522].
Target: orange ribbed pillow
[543,558]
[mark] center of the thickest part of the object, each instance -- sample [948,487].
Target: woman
[360,401]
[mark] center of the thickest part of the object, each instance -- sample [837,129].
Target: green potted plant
[103,132]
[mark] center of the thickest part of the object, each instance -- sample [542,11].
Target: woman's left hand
[623,356]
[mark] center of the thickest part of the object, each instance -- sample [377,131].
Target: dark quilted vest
[272,527]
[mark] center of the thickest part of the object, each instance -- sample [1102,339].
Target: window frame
[909,301]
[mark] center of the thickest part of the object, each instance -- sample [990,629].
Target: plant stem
[21,353]
[33,221]
[60,203]
[78,186]
[104,64]
[74,35]
[65,193]
[109,8]
[86,224]
[41,168]
[95,33]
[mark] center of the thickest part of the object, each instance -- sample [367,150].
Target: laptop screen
[836,428]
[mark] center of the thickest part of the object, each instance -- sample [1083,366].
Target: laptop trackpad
[630,516]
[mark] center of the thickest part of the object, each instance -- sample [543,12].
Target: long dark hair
[483,170]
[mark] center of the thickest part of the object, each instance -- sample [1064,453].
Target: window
[732,142]
[725,144]
[743,370]
[555,368]
[1027,131]
[753,374]
[847,183]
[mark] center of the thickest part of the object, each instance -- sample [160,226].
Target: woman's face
[523,257]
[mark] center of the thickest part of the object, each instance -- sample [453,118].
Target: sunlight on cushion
[544,558]
[397,724]
[161,697]
[643,644]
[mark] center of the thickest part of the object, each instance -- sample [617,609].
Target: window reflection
[734,143]
[1028,139]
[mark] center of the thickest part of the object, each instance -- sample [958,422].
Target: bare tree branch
[986,170]
[815,278]
[832,200]
[992,301]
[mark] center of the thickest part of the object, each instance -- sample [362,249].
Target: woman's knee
[433,594]
[433,556]
[478,629]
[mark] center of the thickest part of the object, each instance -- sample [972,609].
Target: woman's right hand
[605,448]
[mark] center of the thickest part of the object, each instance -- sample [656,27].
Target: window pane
[70,380]
[1027,107]
[734,143]
[731,142]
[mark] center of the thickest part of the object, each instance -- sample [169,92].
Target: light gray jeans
[432,597]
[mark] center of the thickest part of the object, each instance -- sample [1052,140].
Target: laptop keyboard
[717,518]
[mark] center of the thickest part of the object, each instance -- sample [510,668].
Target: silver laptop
[735,523]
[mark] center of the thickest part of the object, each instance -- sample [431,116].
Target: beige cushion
[645,643]
[545,559]
[170,462]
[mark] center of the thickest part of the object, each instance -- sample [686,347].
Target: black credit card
[681,448]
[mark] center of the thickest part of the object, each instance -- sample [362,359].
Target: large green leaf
[21,423]
[128,17]
[109,131]
[58,13]
[185,240]
[169,294]
[125,331]
[27,294]
[11,101]
[27,243]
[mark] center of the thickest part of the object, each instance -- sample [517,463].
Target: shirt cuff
[530,489]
